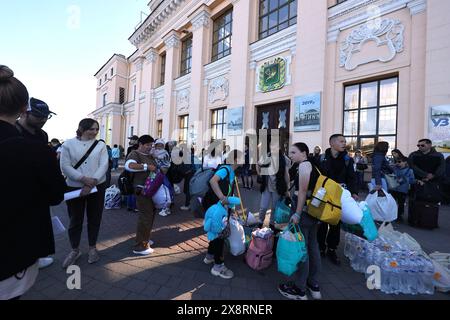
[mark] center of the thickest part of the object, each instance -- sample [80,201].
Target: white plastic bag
[236,238]
[351,211]
[162,198]
[113,198]
[382,208]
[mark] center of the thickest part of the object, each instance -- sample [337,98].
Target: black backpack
[125,183]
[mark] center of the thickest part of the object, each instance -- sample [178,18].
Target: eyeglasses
[421,145]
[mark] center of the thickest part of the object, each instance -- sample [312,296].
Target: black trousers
[93,205]
[187,180]
[400,198]
[328,236]
[215,249]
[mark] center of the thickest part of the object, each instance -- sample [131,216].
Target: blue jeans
[131,202]
[115,163]
[383,184]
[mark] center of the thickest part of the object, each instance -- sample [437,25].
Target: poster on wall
[235,121]
[307,112]
[439,128]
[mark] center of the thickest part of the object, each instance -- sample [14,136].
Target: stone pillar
[173,44]
[197,109]
[310,59]
[139,64]
[147,118]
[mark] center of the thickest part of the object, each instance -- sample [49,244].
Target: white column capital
[417,6]
[201,20]
[139,63]
[151,55]
[172,41]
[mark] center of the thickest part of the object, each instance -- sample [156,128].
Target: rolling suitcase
[423,214]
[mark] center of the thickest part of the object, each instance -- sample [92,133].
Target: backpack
[260,252]
[199,184]
[210,198]
[329,209]
[125,183]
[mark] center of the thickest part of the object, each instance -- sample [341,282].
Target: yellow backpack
[329,209]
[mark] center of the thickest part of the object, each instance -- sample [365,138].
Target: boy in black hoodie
[337,165]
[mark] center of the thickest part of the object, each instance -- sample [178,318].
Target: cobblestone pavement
[176,271]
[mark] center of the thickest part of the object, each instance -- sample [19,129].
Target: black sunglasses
[421,145]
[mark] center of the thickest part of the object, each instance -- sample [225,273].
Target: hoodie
[380,166]
[339,169]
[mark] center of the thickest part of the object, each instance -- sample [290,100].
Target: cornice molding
[274,44]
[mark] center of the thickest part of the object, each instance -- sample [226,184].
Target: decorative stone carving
[282,119]
[151,56]
[389,33]
[183,100]
[139,62]
[173,41]
[159,108]
[218,89]
[201,20]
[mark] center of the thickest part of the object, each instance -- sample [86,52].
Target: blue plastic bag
[368,225]
[291,249]
[282,212]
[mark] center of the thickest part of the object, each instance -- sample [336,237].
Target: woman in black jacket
[31,182]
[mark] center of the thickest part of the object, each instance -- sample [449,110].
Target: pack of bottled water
[402,270]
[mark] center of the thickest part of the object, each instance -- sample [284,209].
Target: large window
[222,36]
[276,15]
[370,114]
[159,129]
[186,56]
[184,127]
[162,74]
[218,124]
[105,97]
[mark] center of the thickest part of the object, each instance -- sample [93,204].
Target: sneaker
[71,258]
[333,257]
[45,262]
[222,272]
[208,259]
[163,213]
[93,256]
[315,292]
[143,249]
[185,208]
[168,212]
[291,291]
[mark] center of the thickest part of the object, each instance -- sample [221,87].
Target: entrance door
[275,116]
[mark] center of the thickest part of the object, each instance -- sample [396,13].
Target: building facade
[213,69]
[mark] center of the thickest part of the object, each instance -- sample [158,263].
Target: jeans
[268,199]
[310,269]
[131,202]
[93,205]
[187,180]
[115,163]
[215,248]
[328,236]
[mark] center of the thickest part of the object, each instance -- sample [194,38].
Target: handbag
[362,166]
[391,180]
[153,183]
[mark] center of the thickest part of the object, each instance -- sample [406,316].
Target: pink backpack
[260,252]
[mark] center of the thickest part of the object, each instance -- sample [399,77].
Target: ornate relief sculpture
[218,89]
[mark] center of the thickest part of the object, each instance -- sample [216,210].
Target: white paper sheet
[76,194]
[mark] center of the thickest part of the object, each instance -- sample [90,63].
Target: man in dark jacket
[427,163]
[30,126]
[31,182]
[337,165]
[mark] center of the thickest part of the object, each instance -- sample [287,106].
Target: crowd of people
[85,163]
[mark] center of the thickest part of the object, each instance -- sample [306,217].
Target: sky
[56,46]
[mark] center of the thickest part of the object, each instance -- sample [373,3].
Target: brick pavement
[176,271]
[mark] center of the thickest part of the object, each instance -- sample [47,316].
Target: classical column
[172,42]
[139,64]
[147,121]
[197,108]
[239,90]
[310,58]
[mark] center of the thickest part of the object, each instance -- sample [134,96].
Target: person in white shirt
[91,173]
[211,160]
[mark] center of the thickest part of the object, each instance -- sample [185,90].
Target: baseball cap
[39,108]
[133,138]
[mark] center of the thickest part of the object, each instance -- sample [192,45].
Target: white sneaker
[208,260]
[143,249]
[168,212]
[71,258]
[315,293]
[45,262]
[184,208]
[223,272]
[163,213]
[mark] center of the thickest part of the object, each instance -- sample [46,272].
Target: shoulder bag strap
[86,155]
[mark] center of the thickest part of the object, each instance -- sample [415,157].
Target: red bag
[260,252]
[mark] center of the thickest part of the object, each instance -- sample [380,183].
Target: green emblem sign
[272,75]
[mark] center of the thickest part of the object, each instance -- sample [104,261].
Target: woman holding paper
[84,161]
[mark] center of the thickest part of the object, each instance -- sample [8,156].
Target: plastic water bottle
[316,201]
[427,276]
[385,275]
